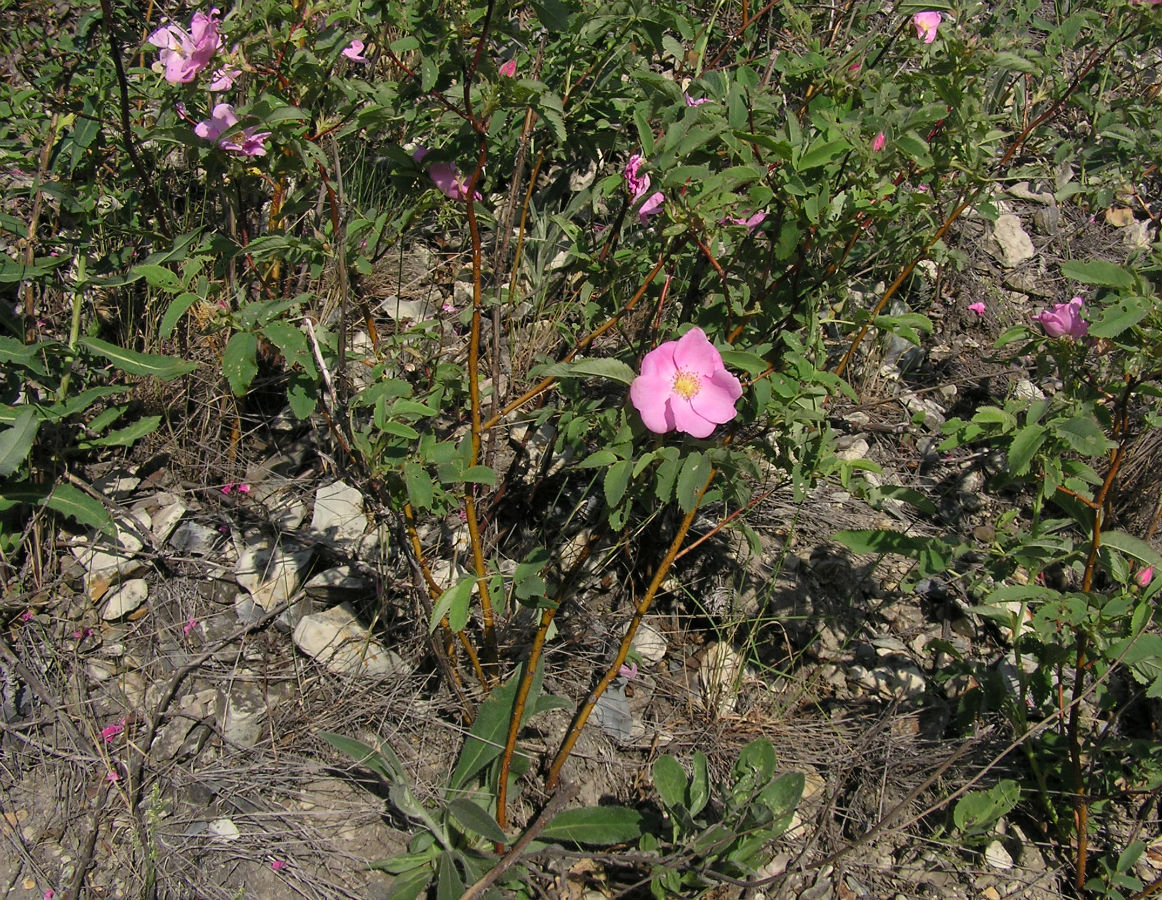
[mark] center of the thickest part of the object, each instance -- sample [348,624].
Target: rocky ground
[251,600]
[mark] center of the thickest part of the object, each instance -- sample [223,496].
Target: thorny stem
[641,608]
[1081,661]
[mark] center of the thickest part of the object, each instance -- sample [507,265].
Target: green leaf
[456,598]
[1132,546]
[448,880]
[613,369]
[933,554]
[599,825]
[383,761]
[133,363]
[488,733]
[1125,313]
[598,460]
[16,442]
[127,436]
[475,820]
[978,810]
[699,792]
[76,504]
[480,475]
[410,884]
[669,781]
[420,488]
[1083,435]
[691,480]
[26,356]
[820,154]
[1098,272]
[158,277]
[1142,654]
[617,481]
[915,148]
[177,308]
[783,794]
[1026,443]
[240,361]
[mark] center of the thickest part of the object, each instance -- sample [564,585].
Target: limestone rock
[1013,244]
[344,646]
[649,643]
[270,572]
[128,597]
[338,518]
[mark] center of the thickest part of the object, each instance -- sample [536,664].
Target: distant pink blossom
[684,385]
[855,67]
[27,615]
[185,54]
[977,308]
[1064,320]
[354,51]
[639,185]
[49,894]
[1147,574]
[927,24]
[278,865]
[878,142]
[232,487]
[112,777]
[690,101]
[221,120]
[629,673]
[111,731]
[508,69]
[751,222]
[191,624]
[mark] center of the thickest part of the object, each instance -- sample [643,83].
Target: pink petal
[695,353]
[508,69]
[688,419]
[651,206]
[354,51]
[715,400]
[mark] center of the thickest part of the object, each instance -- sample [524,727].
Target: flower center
[686,384]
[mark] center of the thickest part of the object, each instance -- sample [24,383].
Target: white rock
[125,599]
[997,857]
[194,539]
[334,583]
[223,830]
[271,574]
[343,645]
[416,310]
[107,560]
[167,512]
[649,643]
[1014,246]
[116,484]
[462,294]
[338,517]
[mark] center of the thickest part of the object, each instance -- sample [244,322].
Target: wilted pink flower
[191,624]
[508,69]
[111,731]
[354,51]
[278,865]
[879,142]
[977,308]
[690,101]
[49,894]
[27,615]
[447,178]
[1147,574]
[221,120]
[926,25]
[184,54]
[112,776]
[639,184]
[223,79]
[751,222]
[629,673]
[684,385]
[1064,320]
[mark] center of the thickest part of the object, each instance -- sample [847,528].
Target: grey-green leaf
[599,825]
[476,820]
[133,363]
[16,441]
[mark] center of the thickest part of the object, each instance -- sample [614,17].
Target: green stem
[74,328]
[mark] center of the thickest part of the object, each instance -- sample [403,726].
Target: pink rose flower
[977,308]
[879,142]
[1064,320]
[685,386]
[221,120]
[223,79]
[185,54]
[354,51]
[927,24]
[508,69]
[690,101]
[751,222]
[639,184]
[447,178]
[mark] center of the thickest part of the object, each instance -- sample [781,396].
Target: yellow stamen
[686,384]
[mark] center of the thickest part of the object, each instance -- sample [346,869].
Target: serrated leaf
[1097,272]
[476,820]
[1026,443]
[598,460]
[79,506]
[158,277]
[480,475]
[613,369]
[1083,435]
[600,825]
[1117,317]
[16,441]
[456,598]
[420,489]
[133,363]
[1132,546]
